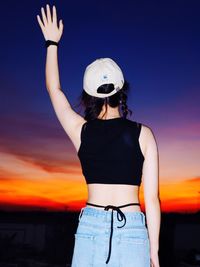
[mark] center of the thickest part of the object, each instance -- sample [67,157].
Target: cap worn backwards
[102,71]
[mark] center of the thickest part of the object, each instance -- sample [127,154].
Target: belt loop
[81,213]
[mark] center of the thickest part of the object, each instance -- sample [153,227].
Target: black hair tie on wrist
[50,42]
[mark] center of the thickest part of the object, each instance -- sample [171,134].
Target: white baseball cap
[102,71]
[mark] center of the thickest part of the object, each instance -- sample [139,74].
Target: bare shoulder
[146,131]
[150,171]
[70,120]
[147,138]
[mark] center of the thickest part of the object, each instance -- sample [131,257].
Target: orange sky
[46,185]
[39,167]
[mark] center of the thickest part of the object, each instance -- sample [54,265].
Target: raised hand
[49,26]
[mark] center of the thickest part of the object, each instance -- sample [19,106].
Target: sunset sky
[157,46]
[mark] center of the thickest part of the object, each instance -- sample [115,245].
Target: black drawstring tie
[120,217]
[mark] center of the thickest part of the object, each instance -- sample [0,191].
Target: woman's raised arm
[69,119]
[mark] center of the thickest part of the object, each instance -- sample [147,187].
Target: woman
[114,153]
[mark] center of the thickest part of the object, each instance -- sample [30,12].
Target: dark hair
[93,105]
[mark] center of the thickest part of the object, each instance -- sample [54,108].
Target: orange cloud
[65,194]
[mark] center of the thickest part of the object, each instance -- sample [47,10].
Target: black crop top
[110,152]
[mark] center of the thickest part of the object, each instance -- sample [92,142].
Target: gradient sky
[156,43]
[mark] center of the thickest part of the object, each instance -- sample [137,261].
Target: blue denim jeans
[129,245]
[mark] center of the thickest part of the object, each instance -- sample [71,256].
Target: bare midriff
[113,194]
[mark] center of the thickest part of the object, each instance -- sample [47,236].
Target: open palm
[49,26]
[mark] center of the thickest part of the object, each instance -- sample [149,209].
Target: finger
[48,13]
[54,15]
[61,26]
[44,17]
[40,22]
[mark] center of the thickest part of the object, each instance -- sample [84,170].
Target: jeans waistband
[105,215]
[116,214]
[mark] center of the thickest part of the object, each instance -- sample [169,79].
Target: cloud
[36,139]
[193,180]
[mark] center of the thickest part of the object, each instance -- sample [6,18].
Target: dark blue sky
[156,43]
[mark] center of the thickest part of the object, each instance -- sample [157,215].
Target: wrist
[52,47]
[154,252]
[51,43]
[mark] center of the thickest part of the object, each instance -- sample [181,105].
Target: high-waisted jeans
[99,240]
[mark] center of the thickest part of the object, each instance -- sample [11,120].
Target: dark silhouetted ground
[47,239]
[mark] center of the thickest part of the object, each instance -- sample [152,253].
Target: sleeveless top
[110,152]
